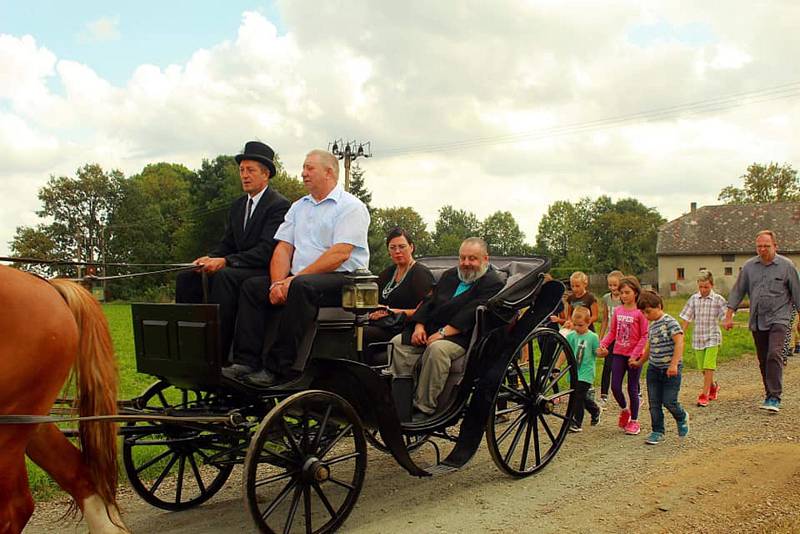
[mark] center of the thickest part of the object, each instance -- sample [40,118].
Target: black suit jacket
[440,308]
[252,248]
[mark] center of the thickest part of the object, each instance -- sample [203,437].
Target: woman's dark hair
[398,232]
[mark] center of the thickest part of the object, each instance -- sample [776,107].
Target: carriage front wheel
[305,465]
[533,407]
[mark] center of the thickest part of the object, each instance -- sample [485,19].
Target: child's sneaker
[575,428]
[624,417]
[603,401]
[596,419]
[654,438]
[683,426]
[771,405]
[712,394]
[702,400]
[632,428]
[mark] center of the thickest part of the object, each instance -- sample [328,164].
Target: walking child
[664,350]
[706,308]
[584,345]
[628,332]
[609,301]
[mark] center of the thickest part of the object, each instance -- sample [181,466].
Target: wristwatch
[441,332]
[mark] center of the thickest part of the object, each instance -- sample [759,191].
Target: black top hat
[258,151]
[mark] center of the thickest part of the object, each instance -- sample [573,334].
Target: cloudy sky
[502,105]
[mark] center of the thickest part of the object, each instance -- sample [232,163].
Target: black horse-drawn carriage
[303,444]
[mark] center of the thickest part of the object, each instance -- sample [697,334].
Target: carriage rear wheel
[533,407]
[171,466]
[305,465]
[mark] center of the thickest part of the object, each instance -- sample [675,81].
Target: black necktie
[249,210]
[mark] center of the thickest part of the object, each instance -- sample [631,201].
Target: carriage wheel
[413,442]
[305,465]
[533,406]
[172,466]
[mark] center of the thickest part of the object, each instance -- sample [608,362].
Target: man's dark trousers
[223,289]
[306,294]
[769,348]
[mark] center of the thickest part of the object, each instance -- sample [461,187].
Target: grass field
[735,343]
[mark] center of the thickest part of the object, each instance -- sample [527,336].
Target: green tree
[502,233]
[558,232]
[80,209]
[36,243]
[358,187]
[624,237]
[764,183]
[383,220]
[452,227]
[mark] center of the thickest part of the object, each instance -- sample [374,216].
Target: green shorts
[706,358]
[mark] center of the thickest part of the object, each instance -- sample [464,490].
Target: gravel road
[737,471]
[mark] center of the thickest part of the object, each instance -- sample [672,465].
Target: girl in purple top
[628,332]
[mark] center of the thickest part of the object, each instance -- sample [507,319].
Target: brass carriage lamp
[360,292]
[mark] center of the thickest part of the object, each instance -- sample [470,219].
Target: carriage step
[441,469]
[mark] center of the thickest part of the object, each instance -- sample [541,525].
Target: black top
[586,301]
[442,308]
[252,247]
[407,294]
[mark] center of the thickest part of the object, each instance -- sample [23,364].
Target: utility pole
[348,151]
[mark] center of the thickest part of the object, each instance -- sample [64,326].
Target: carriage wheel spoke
[290,437]
[547,427]
[515,392]
[307,509]
[507,411]
[179,484]
[275,478]
[324,499]
[153,461]
[514,444]
[556,378]
[163,399]
[298,491]
[510,428]
[278,500]
[196,471]
[163,474]
[341,483]
[336,440]
[521,377]
[559,394]
[304,438]
[536,451]
[343,458]
[526,447]
[321,429]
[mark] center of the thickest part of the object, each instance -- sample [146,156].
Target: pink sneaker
[702,400]
[712,395]
[624,417]
[632,428]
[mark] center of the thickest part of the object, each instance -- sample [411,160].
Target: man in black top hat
[247,244]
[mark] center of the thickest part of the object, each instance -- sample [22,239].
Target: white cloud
[524,88]
[101,30]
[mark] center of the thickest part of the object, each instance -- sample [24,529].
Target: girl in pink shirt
[628,332]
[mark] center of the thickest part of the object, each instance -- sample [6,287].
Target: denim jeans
[662,390]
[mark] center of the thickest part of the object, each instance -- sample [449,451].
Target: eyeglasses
[394,248]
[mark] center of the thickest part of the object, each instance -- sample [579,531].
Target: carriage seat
[523,277]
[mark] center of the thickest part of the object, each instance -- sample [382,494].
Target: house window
[728,258]
[728,271]
[702,269]
[681,274]
[673,286]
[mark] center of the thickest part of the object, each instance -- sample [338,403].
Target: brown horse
[47,329]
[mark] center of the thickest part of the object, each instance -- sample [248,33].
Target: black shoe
[237,371]
[260,379]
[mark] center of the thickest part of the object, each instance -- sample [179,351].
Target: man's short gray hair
[477,241]
[328,160]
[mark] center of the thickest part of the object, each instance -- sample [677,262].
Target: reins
[168,267]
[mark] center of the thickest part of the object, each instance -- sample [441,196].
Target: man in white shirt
[323,236]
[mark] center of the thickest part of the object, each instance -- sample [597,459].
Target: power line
[734,100]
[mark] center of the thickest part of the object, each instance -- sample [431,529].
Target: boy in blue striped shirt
[664,351]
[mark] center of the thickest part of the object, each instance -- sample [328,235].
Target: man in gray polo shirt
[773,285]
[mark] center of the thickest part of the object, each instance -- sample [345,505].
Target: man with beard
[441,328]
